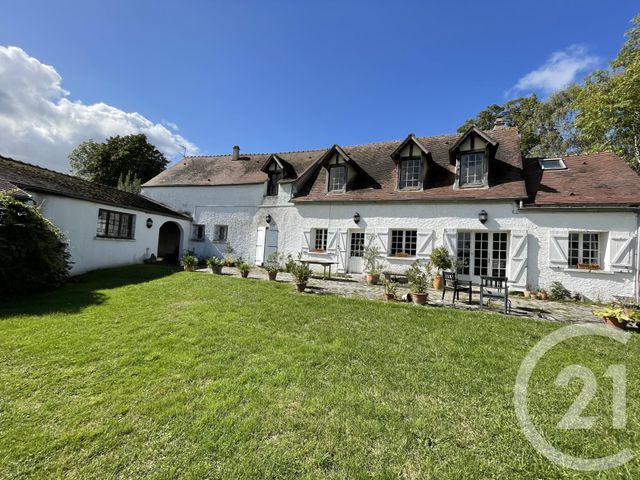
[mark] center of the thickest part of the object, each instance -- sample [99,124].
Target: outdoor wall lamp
[268,218]
[356,217]
[482,216]
[149,223]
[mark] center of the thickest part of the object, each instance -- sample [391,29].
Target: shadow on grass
[81,291]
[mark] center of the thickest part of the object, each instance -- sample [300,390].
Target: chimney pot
[499,123]
[236,152]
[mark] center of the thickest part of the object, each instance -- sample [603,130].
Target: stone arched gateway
[169,237]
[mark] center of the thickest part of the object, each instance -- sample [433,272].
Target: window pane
[403,242]
[472,169]
[590,248]
[464,251]
[499,254]
[574,249]
[320,239]
[337,178]
[357,244]
[102,223]
[410,172]
[481,253]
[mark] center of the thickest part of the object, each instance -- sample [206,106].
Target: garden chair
[495,288]
[453,283]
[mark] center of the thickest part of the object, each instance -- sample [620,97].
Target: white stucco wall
[243,209]
[78,220]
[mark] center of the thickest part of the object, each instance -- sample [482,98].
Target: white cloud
[40,124]
[559,71]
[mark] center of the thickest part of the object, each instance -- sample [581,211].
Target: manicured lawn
[138,372]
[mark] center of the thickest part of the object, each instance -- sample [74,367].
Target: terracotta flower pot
[542,295]
[244,274]
[438,282]
[373,279]
[389,296]
[534,296]
[527,294]
[300,287]
[419,298]
[613,322]
[217,270]
[272,275]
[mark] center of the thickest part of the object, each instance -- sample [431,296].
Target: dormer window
[275,173]
[410,174]
[472,169]
[337,178]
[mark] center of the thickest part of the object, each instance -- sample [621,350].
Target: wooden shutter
[518,258]
[306,241]
[342,251]
[383,241]
[261,236]
[621,250]
[450,241]
[559,248]
[332,239]
[425,243]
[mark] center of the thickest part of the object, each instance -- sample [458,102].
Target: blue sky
[287,75]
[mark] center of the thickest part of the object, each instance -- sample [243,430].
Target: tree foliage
[116,158]
[33,252]
[129,183]
[603,113]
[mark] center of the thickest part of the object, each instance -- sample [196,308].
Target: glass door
[356,247]
[483,253]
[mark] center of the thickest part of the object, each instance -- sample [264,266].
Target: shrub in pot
[390,289]
[301,274]
[229,259]
[244,268]
[618,316]
[557,291]
[440,261]
[215,264]
[273,265]
[189,262]
[419,280]
[370,255]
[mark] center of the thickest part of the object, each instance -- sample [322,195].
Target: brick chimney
[236,153]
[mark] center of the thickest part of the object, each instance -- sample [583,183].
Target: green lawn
[139,372]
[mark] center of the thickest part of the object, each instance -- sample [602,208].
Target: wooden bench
[395,277]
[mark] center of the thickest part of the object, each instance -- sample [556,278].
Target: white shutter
[262,231]
[332,239]
[450,241]
[383,241]
[342,251]
[559,248]
[621,250]
[518,255]
[425,243]
[306,241]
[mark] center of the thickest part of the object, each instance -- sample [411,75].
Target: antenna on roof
[184,150]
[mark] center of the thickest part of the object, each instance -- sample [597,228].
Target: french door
[483,253]
[356,249]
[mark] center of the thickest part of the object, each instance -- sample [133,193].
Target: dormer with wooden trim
[412,164]
[277,170]
[341,170]
[472,155]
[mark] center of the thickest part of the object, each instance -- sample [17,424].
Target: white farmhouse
[105,227]
[574,219]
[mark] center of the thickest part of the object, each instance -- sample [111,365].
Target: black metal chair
[495,288]
[451,282]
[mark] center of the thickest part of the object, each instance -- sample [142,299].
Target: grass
[138,372]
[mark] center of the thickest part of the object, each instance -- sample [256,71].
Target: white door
[484,253]
[271,243]
[356,246]
[260,243]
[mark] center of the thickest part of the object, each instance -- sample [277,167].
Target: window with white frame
[320,240]
[337,178]
[403,243]
[584,249]
[410,173]
[197,233]
[483,253]
[115,224]
[472,168]
[220,233]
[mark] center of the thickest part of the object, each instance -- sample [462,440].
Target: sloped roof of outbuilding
[34,178]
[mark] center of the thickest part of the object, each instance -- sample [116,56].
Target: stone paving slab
[354,286]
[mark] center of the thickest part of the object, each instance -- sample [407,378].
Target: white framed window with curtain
[472,169]
[337,178]
[410,173]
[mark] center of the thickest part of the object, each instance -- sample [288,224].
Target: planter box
[588,266]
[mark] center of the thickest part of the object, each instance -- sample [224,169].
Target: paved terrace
[354,286]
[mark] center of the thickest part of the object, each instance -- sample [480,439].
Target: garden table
[324,263]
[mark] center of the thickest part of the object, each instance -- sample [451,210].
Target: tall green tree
[608,106]
[116,158]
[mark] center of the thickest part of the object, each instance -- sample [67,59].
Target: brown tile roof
[378,181]
[8,187]
[591,179]
[34,178]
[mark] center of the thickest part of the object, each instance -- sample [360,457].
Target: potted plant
[588,266]
[527,291]
[618,316]
[419,279]
[244,268]
[215,264]
[189,262]
[273,265]
[440,261]
[370,256]
[229,259]
[390,289]
[301,274]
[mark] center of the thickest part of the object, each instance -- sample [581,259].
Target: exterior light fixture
[268,218]
[149,223]
[356,217]
[482,216]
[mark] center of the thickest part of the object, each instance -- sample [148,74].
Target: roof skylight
[552,164]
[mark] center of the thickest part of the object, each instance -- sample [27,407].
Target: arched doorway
[169,242]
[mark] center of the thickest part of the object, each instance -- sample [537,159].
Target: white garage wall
[78,220]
